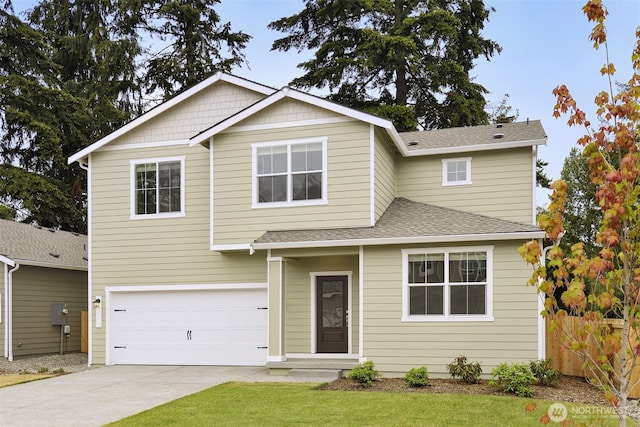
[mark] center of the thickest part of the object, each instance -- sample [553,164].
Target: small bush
[58,371]
[417,377]
[365,374]
[515,378]
[467,372]
[544,372]
[43,370]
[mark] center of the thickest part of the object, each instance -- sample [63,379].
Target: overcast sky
[545,44]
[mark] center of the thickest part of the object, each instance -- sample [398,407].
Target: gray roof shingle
[530,130]
[405,219]
[28,244]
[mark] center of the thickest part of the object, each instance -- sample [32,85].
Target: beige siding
[298,297]
[34,290]
[235,221]
[501,183]
[157,251]
[385,173]
[2,307]
[193,115]
[396,346]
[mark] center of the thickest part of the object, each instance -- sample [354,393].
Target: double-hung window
[289,173]
[447,284]
[157,187]
[456,171]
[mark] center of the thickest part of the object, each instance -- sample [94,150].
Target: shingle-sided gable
[406,221]
[27,244]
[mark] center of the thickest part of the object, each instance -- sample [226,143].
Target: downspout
[542,349]
[9,312]
[6,309]
[85,166]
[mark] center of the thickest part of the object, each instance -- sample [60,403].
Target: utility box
[58,314]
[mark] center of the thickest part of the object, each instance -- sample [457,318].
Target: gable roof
[474,138]
[220,76]
[406,221]
[31,245]
[288,92]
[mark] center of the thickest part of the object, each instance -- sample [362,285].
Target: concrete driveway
[102,395]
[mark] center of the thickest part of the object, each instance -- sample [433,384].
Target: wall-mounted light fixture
[97,302]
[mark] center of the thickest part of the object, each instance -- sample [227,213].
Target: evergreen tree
[396,57]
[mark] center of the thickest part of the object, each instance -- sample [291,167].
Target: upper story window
[447,284]
[456,171]
[290,173]
[157,187]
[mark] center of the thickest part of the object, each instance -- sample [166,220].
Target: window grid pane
[157,188]
[457,171]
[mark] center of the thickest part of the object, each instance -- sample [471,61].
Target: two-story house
[237,224]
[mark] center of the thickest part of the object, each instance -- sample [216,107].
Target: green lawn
[268,404]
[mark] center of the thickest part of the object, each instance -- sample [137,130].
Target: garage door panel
[213,327]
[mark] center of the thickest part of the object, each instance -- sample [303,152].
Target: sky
[544,44]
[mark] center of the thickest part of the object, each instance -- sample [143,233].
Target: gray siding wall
[34,290]
[501,183]
[385,173]
[396,347]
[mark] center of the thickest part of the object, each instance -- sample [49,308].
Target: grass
[265,404]
[7,380]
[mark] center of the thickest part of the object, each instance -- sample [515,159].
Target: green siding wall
[34,290]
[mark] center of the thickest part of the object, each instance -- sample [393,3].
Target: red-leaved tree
[604,287]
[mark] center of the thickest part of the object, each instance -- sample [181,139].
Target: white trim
[487,317]
[154,144]
[7,260]
[313,278]
[186,287]
[9,311]
[132,187]
[372,176]
[287,92]
[6,310]
[211,194]
[475,147]
[255,204]
[523,235]
[445,171]
[280,125]
[154,112]
[276,359]
[30,263]
[361,303]
[534,185]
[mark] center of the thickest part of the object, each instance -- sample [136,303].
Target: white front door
[191,327]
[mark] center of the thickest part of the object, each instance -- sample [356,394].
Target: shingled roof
[31,245]
[482,137]
[406,221]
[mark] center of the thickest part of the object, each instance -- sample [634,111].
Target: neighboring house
[237,224]
[44,274]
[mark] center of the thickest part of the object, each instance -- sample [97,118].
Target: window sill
[441,319]
[454,184]
[159,216]
[317,202]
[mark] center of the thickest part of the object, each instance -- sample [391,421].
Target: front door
[332,314]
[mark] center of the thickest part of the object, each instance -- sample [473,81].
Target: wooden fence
[84,332]
[569,362]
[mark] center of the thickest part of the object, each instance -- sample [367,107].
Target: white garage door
[195,327]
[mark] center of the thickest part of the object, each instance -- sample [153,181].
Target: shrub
[544,372]
[417,377]
[365,374]
[467,372]
[515,378]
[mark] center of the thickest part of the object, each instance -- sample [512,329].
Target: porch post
[276,309]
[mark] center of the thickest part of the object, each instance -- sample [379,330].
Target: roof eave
[32,263]
[7,260]
[523,235]
[477,147]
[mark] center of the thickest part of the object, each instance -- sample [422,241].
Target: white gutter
[523,235]
[8,337]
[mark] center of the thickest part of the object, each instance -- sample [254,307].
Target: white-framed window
[157,187]
[456,171]
[447,284]
[287,173]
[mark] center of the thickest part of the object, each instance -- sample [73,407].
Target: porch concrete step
[303,363]
[320,374]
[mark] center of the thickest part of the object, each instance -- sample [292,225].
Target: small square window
[157,187]
[456,171]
